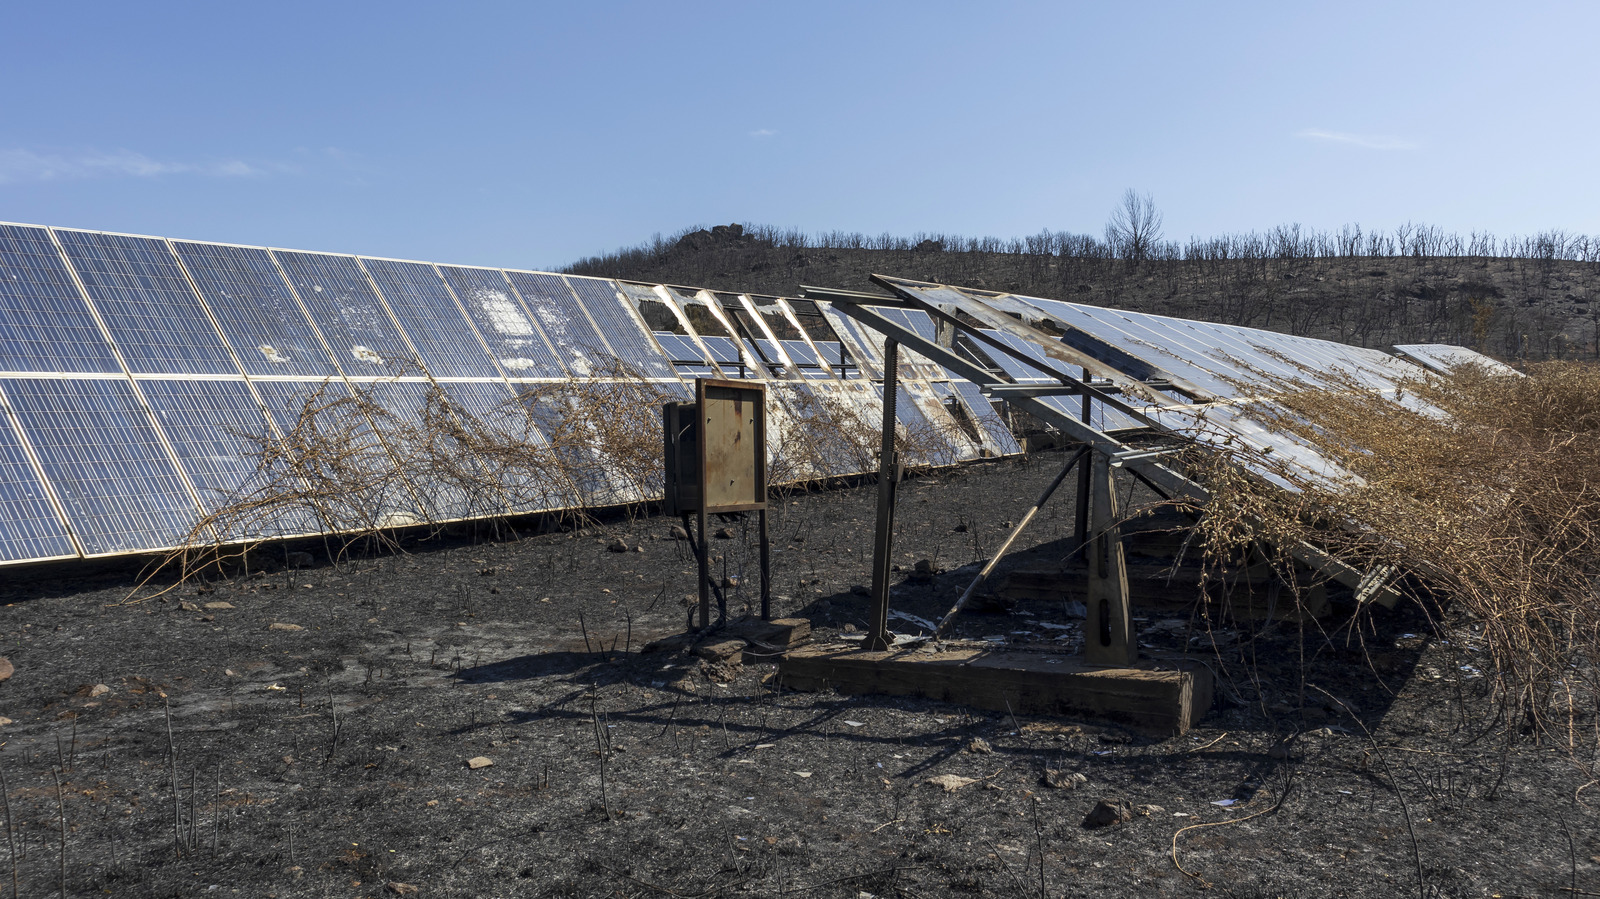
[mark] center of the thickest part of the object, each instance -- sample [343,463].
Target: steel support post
[888,475]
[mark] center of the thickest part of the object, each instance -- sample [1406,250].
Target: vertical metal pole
[766,568]
[883,537]
[1081,519]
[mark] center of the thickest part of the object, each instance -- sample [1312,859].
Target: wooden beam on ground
[1164,701]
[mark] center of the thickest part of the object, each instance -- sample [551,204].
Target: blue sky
[531,134]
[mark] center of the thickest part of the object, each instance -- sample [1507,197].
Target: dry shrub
[1482,489]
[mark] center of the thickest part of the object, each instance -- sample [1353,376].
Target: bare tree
[1135,227]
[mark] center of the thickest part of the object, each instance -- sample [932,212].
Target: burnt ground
[332,760]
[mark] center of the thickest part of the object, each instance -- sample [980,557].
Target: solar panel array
[1215,370]
[145,383]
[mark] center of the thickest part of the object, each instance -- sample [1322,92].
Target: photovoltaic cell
[627,336]
[446,340]
[512,337]
[353,321]
[29,525]
[44,323]
[219,431]
[113,476]
[267,328]
[574,337]
[147,304]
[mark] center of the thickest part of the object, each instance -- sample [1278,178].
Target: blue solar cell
[348,312]
[448,343]
[29,525]
[219,432]
[147,304]
[605,304]
[258,313]
[801,352]
[569,330]
[680,348]
[44,323]
[115,480]
[514,340]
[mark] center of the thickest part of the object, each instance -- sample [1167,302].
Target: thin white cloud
[763,132]
[1364,141]
[23,165]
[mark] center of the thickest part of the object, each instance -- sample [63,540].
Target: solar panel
[114,478]
[29,526]
[351,479]
[218,432]
[348,312]
[523,485]
[416,428]
[44,323]
[259,315]
[514,340]
[987,420]
[147,304]
[576,340]
[626,334]
[445,339]
[1445,358]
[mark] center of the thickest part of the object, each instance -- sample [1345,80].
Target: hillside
[1533,298]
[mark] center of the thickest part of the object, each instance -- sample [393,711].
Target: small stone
[728,583]
[1150,811]
[220,605]
[1107,812]
[678,533]
[284,626]
[401,889]
[6,669]
[1064,780]
[638,549]
[724,534]
[187,606]
[93,691]
[479,761]
[4,721]
[229,672]
[979,746]
[950,782]
[618,546]
[433,803]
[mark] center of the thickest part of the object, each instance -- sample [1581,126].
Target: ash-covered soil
[312,736]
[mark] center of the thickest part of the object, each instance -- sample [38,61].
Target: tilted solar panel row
[142,379]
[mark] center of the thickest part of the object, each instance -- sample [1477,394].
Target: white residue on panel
[366,355]
[502,312]
[272,354]
[578,364]
[518,364]
[317,288]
